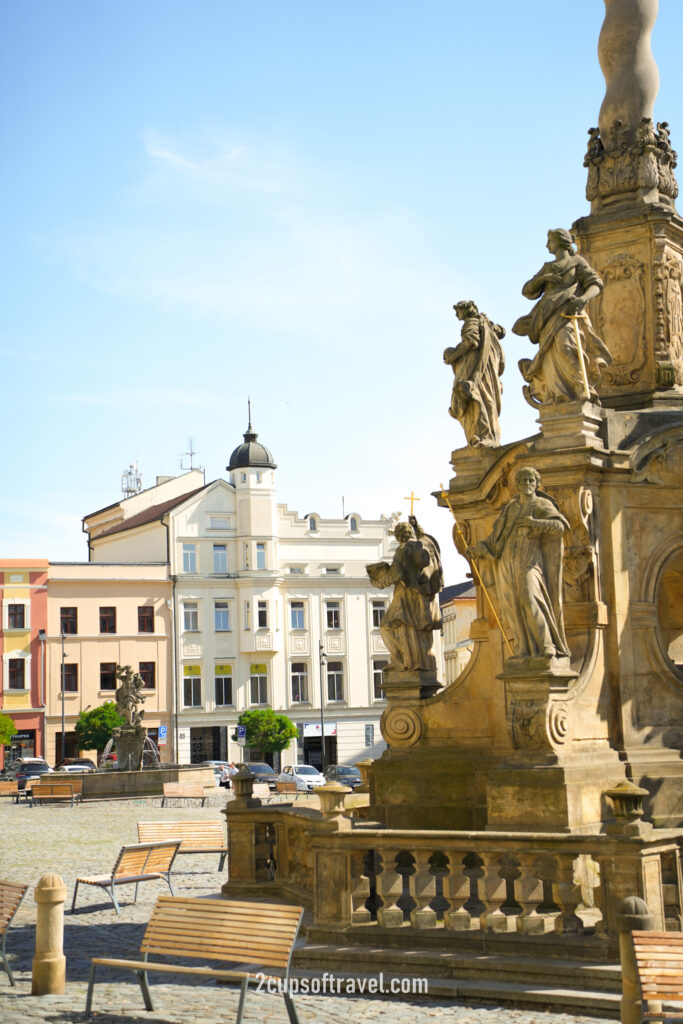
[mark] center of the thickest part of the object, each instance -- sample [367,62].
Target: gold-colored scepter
[472,562]
[582,359]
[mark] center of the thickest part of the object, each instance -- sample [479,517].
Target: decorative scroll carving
[621,319]
[401,727]
[629,160]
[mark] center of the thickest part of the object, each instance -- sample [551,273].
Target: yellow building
[459,610]
[98,617]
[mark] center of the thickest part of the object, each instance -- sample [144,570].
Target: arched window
[353,524]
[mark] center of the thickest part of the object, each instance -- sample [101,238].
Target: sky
[205,200]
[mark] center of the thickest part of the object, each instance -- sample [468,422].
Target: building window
[258,478]
[244,478]
[353,524]
[70,678]
[312,524]
[148,674]
[107,675]
[335,681]
[262,612]
[192,691]
[369,735]
[296,570]
[260,556]
[189,557]
[145,619]
[221,616]
[299,682]
[220,559]
[220,523]
[17,674]
[16,616]
[107,620]
[332,570]
[296,610]
[333,614]
[258,687]
[68,620]
[191,617]
[223,683]
[378,610]
[378,679]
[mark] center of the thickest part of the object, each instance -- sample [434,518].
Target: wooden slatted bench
[8,788]
[285,787]
[63,790]
[134,864]
[196,836]
[11,895]
[259,935]
[659,963]
[183,791]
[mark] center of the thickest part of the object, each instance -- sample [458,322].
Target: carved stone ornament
[621,319]
[536,723]
[660,460]
[401,727]
[669,314]
[631,161]
[579,566]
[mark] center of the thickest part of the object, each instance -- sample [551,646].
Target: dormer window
[312,524]
[353,524]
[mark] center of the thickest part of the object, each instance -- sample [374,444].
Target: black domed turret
[251,453]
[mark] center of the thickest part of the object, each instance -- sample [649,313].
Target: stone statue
[526,548]
[413,614]
[478,363]
[563,287]
[129,738]
[128,695]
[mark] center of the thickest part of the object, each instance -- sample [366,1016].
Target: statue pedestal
[129,741]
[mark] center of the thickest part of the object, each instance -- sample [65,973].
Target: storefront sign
[312,729]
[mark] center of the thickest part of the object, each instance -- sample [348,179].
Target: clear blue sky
[208,199]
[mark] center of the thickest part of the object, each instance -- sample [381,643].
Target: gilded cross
[412,499]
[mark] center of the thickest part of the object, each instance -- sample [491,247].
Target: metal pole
[323,659]
[63,712]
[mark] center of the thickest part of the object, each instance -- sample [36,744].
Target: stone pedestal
[129,741]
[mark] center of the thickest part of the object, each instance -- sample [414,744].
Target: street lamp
[63,712]
[323,661]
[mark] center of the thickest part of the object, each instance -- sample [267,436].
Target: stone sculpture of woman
[477,362]
[570,354]
[526,548]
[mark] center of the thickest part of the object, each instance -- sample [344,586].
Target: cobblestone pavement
[85,840]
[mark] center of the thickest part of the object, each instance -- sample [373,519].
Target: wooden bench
[11,895]
[260,935]
[63,790]
[134,864]
[196,836]
[183,791]
[9,789]
[659,964]
[285,787]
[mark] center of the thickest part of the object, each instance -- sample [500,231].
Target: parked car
[76,764]
[108,759]
[346,774]
[222,771]
[261,772]
[305,775]
[31,768]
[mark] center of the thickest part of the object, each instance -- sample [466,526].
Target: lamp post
[323,660]
[63,712]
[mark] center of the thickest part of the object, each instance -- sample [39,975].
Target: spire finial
[249,408]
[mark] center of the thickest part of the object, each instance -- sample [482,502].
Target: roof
[251,453]
[149,515]
[455,590]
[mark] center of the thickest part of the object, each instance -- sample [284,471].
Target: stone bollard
[632,915]
[49,963]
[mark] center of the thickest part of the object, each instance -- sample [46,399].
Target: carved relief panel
[621,320]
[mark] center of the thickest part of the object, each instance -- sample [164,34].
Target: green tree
[266,731]
[7,729]
[94,728]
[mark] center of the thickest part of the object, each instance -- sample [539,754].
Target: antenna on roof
[189,454]
[249,408]
[131,481]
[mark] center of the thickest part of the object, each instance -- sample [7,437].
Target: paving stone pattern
[85,840]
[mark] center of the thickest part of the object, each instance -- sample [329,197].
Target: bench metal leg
[221,861]
[111,892]
[170,883]
[291,1010]
[243,995]
[91,985]
[5,962]
[73,902]
[146,994]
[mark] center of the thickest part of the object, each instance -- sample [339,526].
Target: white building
[269,608]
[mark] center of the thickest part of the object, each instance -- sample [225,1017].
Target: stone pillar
[49,963]
[632,915]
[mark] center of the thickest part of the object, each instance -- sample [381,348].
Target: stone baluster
[531,920]
[457,891]
[423,891]
[390,888]
[360,889]
[567,894]
[494,891]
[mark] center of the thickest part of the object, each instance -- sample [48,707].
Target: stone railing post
[423,885]
[49,963]
[632,915]
[457,918]
[331,797]
[493,896]
[390,888]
